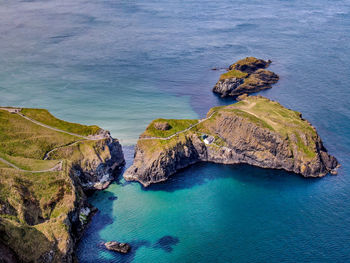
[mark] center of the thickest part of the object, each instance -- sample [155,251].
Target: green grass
[175,126]
[3,165]
[284,121]
[255,109]
[29,163]
[156,146]
[251,118]
[47,118]
[42,187]
[30,198]
[22,138]
[247,61]
[233,74]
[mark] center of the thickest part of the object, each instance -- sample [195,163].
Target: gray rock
[117,247]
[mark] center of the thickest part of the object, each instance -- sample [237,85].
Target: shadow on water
[166,243]
[202,173]
[90,251]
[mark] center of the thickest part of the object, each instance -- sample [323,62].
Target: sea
[121,63]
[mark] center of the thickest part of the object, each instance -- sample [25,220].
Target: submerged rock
[254,131]
[245,76]
[117,247]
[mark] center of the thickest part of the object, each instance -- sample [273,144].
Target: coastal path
[58,166]
[179,132]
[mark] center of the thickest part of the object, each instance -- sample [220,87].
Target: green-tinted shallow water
[120,64]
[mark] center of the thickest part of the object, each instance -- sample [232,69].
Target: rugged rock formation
[117,247]
[43,206]
[245,76]
[250,64]
[94,162]
[162,126]
[255,131]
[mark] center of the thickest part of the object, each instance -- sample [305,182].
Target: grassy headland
[34,206]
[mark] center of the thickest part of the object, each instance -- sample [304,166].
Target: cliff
[245,76]
[254,131]
[46,164]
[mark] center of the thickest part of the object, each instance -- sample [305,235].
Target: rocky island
[255,131]
[46,166]
[247,75]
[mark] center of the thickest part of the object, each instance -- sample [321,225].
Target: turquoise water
[120,64]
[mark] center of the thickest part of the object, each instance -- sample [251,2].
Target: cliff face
[256,78]
[240,137]
[43,206]
[94,161]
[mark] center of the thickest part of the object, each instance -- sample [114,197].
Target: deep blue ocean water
[120,64]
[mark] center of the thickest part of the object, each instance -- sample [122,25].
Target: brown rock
[242,97]
[258,78]
[162,126]
[250,64]
[117,247]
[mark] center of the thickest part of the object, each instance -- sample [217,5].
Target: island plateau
[46,166]
[255,131]
[247,75]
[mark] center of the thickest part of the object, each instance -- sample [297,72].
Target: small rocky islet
[247,75]
[117,247]
[44,181]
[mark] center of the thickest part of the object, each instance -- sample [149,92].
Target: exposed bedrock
[245,76]
[240,137]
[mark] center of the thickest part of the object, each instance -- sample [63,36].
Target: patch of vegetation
[20,137]
[255,109]
[233,74]
[155,146]
[29,164]
[34,206]
[251,118]
[247,61]
[45,117]
[175,126]
[280,119]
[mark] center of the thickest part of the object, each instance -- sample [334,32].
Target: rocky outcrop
[95,161]
[250,64]
[117,247]
[162,126]
[227,87]
[257,78]
[241,137]
[43,214]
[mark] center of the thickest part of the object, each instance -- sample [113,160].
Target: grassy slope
[234,74]
[175,126]
[247,61]
[47,118]
[20,137]
[41,195]
[258,110]
[45,197]
[284,121]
